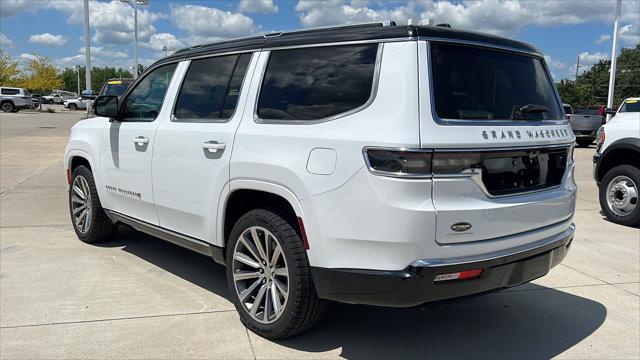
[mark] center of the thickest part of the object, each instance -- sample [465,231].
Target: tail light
[399,163]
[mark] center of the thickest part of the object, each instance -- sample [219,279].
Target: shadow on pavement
[538,322]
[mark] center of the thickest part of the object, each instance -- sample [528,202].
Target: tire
[619,192]
[584,142]
[15,110]
[7,106]
[73,107]
[300,308]
[96,226]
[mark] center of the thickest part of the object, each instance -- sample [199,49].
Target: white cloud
[47,39]
[257,6]
[587,60]
[503,17]
[630,35]
[5,42]
[159,41]
[602,38]
[104,52]
[27,56]
[12,7]
[554,64]
[112,22]
[69,61]
[206,24]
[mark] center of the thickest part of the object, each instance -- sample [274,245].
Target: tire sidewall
[633,173]
[7,107]
[258,218]
[92,234]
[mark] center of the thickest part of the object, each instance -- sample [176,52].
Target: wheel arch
[244,195]
[622,152]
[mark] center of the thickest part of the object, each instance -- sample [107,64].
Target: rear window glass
[318,82]
[589,111]
[211,88]
[9,91]
[474,83]
[567,110]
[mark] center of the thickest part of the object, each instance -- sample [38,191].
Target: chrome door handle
[140,140]
[213,146]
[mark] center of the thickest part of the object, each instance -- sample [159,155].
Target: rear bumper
[415,285]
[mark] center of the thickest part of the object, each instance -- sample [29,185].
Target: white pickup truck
[55,99]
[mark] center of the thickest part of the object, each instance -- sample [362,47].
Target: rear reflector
[462,275]
[69,176]
[305,241]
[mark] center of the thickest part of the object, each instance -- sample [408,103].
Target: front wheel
[619,192]
[73,107]
[89,219]
[269,276]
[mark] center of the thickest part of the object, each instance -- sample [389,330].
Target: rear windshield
[630,106]
[474,83]
[567,110]
[115,89]
[589,111]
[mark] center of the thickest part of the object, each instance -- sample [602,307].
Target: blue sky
[562,29]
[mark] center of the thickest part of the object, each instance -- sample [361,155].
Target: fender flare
[247,184]
[629,143]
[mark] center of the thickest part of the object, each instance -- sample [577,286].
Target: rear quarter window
[9,91]
[316,83]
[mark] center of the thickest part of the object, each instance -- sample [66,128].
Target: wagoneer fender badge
[461,226]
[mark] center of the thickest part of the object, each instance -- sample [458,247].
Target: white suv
[370,164]
[14,99]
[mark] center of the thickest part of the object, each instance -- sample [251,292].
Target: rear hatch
[585,124]
[502,149]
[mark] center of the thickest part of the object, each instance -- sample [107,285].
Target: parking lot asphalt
[139,297]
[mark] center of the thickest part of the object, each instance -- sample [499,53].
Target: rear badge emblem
[461,226]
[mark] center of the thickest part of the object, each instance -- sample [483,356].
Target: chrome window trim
[173,118]
[497,122]
[372,95]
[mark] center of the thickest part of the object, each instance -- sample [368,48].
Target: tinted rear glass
[315,83]
[474,83]
[589,111]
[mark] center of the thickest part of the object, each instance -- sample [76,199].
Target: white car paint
[353,218]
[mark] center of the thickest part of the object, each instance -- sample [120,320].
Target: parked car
[56,98]
[36,99]
[13,99]
[366,164]
[616,164]
[585,123]
[568,110]
[113,87]
[75,104]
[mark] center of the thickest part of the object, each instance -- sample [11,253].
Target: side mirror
[610,111]
[88,94]
[106,105]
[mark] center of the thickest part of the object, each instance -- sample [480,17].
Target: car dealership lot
[138,297]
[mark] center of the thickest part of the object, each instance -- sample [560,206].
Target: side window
[211,88]
[318,82]
[145,101]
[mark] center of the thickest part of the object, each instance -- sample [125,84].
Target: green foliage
[41,75]
[98,76]
[10,74]
[592,86]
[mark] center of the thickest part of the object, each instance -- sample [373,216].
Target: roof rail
[350,26]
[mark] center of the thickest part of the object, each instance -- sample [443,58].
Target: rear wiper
[518,112]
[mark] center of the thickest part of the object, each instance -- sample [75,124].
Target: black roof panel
[343,34]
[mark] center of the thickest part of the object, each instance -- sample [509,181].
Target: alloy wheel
[260,274]
[81,204]
[622,195]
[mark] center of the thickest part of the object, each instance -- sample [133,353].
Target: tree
[592,86]
[42,76]
[9,72]
[98,76]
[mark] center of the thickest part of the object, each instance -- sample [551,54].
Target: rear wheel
[7,106]
[269,276]
[584,142]
[619,192]
[89,219]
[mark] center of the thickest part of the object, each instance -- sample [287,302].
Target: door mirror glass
[107,106]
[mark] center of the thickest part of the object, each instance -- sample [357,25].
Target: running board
[187,242]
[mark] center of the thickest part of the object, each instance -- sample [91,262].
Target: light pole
[87,47]
[614,52]
[135,31]
[78,68]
